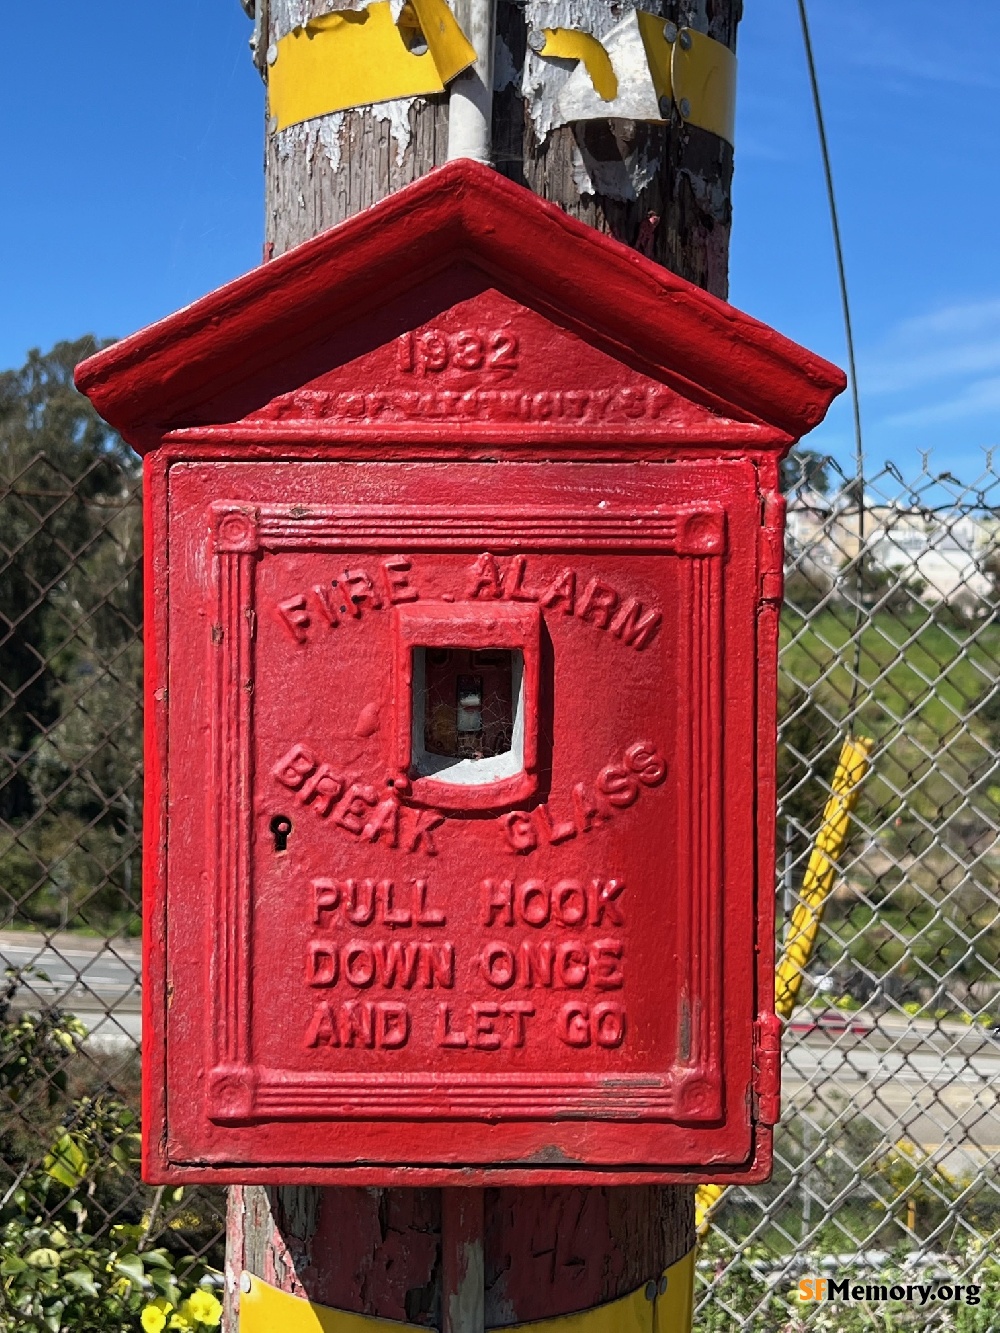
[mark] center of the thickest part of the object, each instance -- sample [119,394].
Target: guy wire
[859,455]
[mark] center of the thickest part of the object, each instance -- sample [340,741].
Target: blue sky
[132,184]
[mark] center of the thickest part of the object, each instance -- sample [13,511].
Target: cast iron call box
[464,557]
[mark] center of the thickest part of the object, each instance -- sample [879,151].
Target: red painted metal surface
[464,556]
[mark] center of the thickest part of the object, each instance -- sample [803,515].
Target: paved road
[88,977]
[948,1101]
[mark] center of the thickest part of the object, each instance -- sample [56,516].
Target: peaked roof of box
[168,376]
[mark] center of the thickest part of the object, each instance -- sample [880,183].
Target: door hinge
[772,547]
[767,1069]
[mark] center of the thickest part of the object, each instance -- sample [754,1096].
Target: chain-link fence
[887,1155]
[886,1159]
[83,1243]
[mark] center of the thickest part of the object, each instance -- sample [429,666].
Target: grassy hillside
[920,901]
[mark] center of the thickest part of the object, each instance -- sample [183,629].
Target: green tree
[70,660]
[805,468]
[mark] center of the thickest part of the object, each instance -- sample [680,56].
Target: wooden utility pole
[321,172]
[664,188]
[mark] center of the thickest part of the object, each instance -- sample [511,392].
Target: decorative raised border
[691,1090]
[684,531]
[699,755]
[234,532]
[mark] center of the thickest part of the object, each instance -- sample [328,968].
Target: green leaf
[12,1264]
[67,1162]
[165,1284]
[132,1267]
[158,1258]
[83,1278]
[43,1257]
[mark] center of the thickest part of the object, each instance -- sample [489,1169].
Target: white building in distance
[941,554]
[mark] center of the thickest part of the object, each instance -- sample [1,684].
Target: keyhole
[281,826]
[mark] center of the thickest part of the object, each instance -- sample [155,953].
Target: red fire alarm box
[464,562]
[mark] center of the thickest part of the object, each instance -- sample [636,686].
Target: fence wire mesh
[886,1157]
[888,1149]
[70,874]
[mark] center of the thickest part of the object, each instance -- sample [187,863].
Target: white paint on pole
[470,96]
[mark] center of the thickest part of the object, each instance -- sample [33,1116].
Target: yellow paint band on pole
[571,44]
[703,79]
[265,1309]
[692,71]
[659,52]
[356,57]
[820,873]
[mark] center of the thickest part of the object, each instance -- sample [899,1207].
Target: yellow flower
[154,1316]
[203,1308]
[179,1319]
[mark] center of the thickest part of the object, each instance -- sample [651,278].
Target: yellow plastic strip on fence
[355,57]
[820,873]
[705,1199]
[265,1309]
[817,882]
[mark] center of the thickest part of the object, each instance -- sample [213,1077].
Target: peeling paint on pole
[328,168]
[462,1261]
[327,133]
[626,170]
[622,177]
[544,79]
[397,114]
